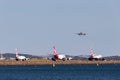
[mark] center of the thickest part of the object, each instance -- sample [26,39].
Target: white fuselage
[97,56]
[61,56]
[21,57]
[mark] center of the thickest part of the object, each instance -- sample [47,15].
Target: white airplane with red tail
[56,56]
[94,56]
[18,57]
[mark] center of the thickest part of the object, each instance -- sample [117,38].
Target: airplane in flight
[95,57]
[57,56]
[18,57]
[81,34]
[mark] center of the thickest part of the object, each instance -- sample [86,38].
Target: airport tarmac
[50,62]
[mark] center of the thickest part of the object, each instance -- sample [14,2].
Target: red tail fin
[91,53]
[54,51]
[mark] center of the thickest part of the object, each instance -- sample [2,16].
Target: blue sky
[35,26]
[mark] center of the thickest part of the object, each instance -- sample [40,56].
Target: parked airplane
[94,56]
[56,56]
[1,56]
[18,57]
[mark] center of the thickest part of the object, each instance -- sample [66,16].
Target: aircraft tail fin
[17,53]
[91,53]
[54,51]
